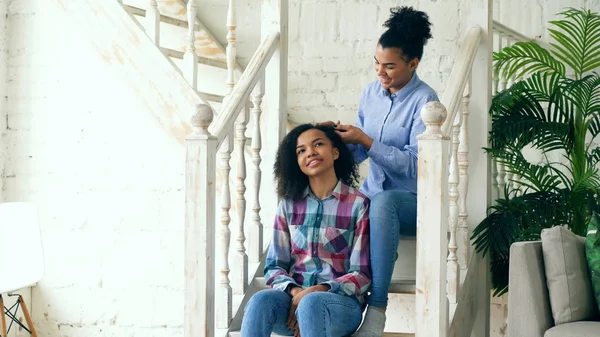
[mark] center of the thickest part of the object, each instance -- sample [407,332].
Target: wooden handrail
[505,30]
[459,76]
[242,90]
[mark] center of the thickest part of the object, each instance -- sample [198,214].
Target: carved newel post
[432,224]
[201,148]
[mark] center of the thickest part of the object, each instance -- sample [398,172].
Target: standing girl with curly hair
[389,121]
[317,263]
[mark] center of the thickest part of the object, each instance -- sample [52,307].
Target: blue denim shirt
[393,122]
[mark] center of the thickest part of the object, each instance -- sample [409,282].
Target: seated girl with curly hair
[317,263]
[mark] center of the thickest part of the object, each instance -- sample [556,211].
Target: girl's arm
[358,151]
[401,163]
[279,261]
[396,163]
[358,279]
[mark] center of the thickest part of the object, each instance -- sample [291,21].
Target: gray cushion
[577,329]
[567,276]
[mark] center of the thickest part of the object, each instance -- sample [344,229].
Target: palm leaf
[577,40]
[519,119]
[532,176]
[546,111]
[525,58]
[593,156]
[584,94]
[518,219]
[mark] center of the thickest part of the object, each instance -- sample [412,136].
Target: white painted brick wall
[3,89]
[109,181]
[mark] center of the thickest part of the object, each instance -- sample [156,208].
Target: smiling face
[393,70]
[315,153]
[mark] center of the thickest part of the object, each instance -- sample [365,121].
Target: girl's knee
[263,300]
[385,198]
[311,304]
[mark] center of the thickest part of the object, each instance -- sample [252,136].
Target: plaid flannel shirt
[322,242]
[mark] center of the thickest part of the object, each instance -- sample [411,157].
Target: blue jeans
[319,314]
[393,213]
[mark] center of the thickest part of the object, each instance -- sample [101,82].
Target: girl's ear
[336,153]
[413,64]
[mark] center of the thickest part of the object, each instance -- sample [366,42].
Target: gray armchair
[529,311]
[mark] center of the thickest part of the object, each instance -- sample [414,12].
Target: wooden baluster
[241,270]
[231,48]
[453,276]
[495,186]
[200,226]
[190,58]
[255,244]
[500,86]
[153,22]
[502,80]
[432,224]
[495,79]
[463,185]
[496,179]
[509,42]
[516,187]
[501,180]
[224,313]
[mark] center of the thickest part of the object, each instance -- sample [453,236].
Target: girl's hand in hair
[350,134]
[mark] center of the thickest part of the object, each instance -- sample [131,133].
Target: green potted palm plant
[553,108]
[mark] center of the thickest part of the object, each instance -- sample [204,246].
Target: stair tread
[172,9]
[173,37]
[385,334]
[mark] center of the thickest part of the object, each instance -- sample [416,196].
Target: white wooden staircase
[242,114]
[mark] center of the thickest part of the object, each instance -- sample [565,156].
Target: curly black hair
[291,181]
[407,29]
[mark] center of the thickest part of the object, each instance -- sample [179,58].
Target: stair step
[174,37]
[385,334]
[211,80]
[174,30]
[170,9]
[163,18]
[201,59]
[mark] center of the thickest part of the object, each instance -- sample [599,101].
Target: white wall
[3,88]
[108,180]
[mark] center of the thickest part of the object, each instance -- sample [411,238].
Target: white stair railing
[231,48]
[452,309]
[200,178]
[153,22]
[240,279]
[255,237]
[506,37]
[265,77]
[224,292]
[443,184]
[432,225]
[463,186]
[190,58]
